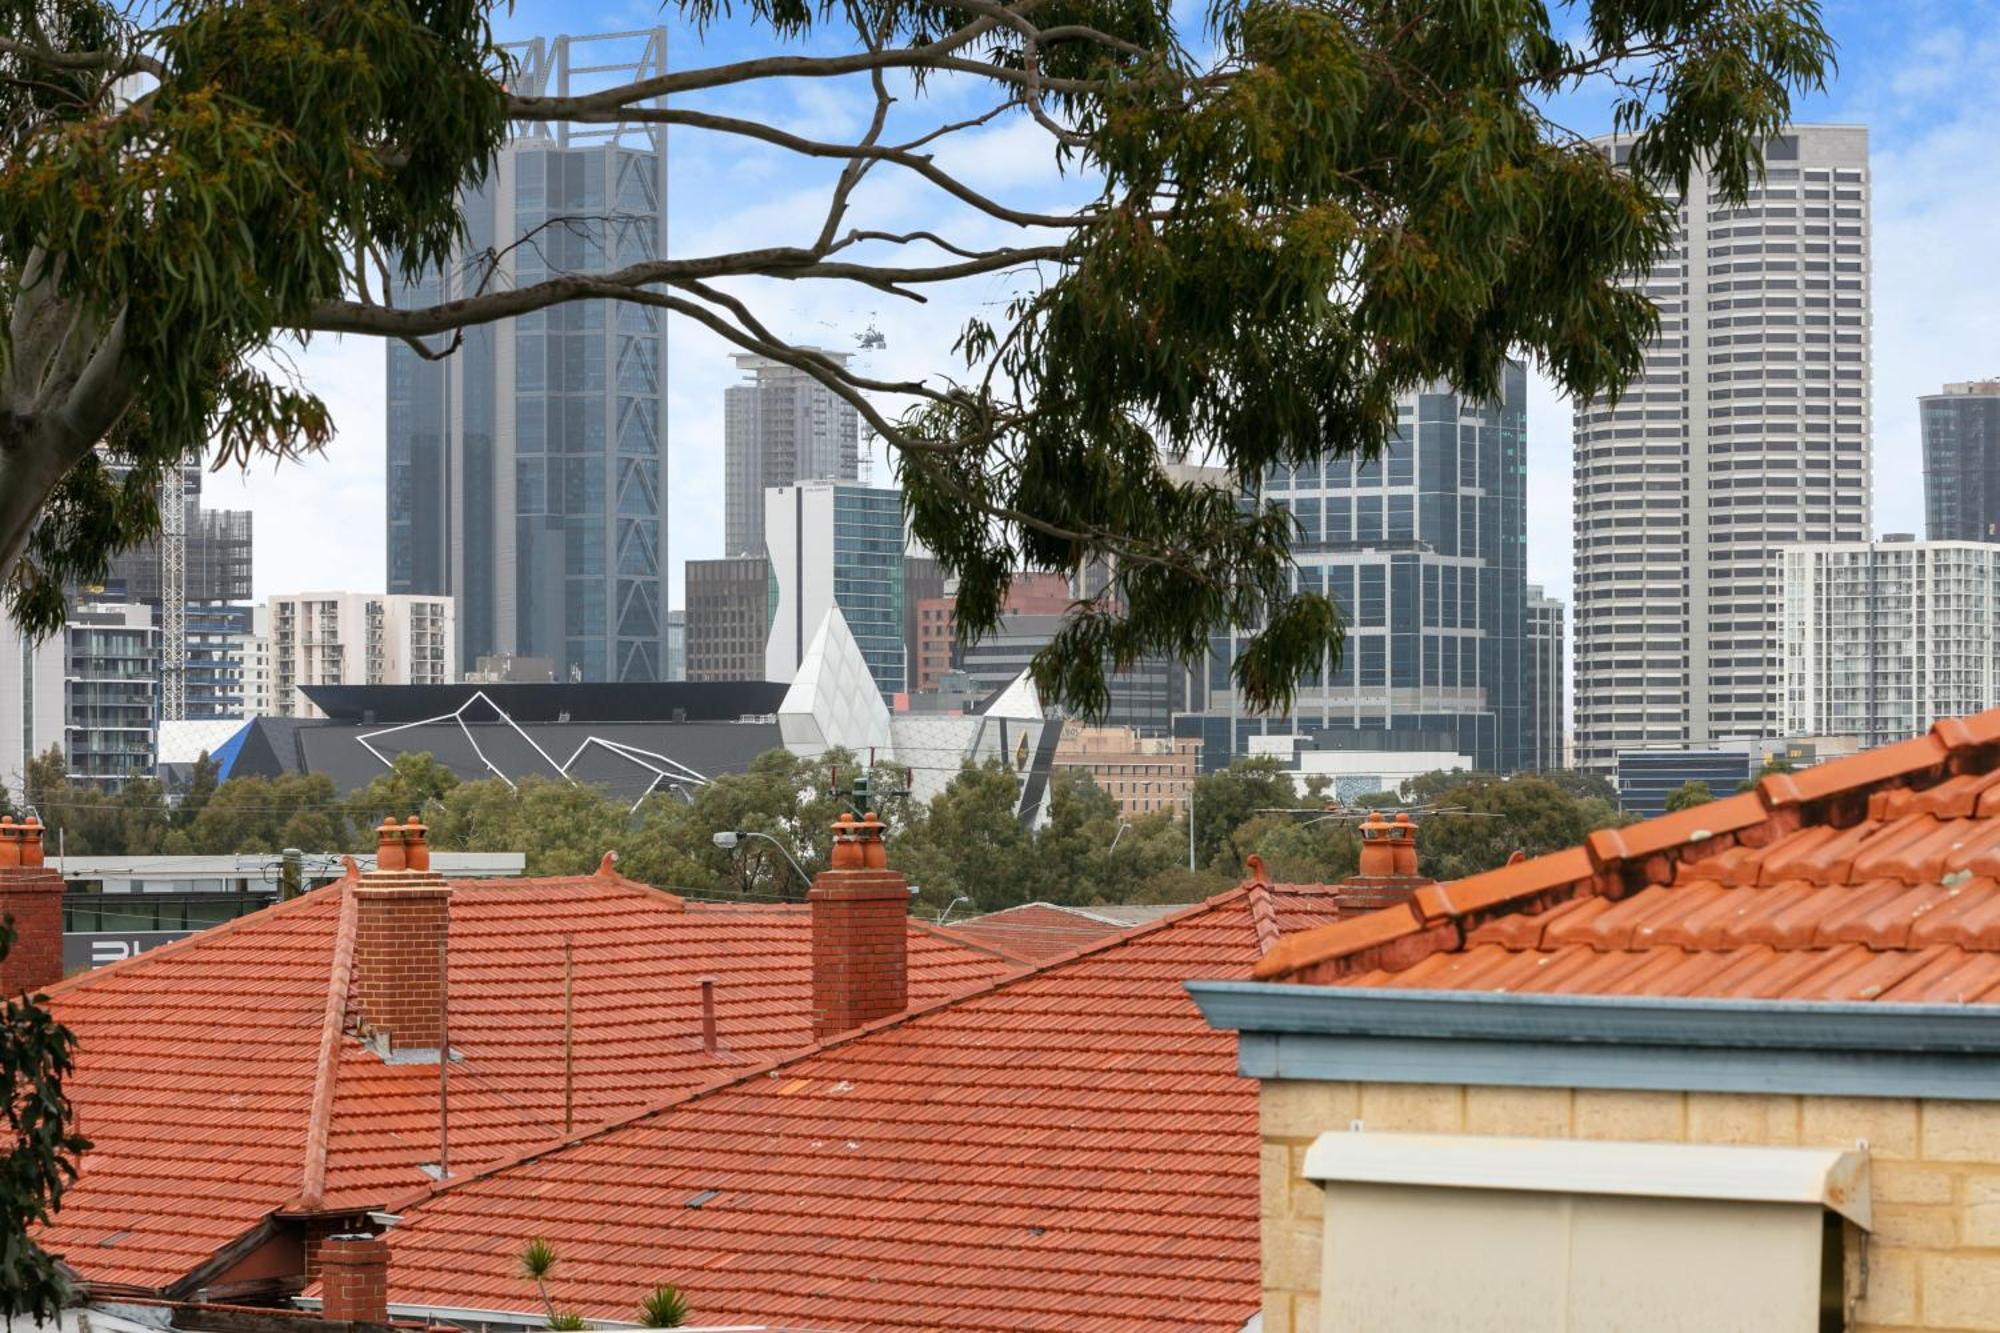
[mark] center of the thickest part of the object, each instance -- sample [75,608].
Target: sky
[1916,73]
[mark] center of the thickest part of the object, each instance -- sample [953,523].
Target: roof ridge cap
[951,936]
[1607,851]
[419,1195]
[172,948]
[326,1073]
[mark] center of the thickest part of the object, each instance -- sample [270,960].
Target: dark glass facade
[1424,551]
[525,473]
[1962,462]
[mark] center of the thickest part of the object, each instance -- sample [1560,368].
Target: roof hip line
[319,1128]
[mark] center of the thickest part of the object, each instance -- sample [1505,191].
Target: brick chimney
[31,895]
[401,913]
[354,1279]
[860,925]
[1388,871]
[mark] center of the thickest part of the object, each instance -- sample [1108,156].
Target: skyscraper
[1747,430]
[728,617]
[1424,550]
[1546,641]
[781,427]
[525,476]
[831,545]
[1962,462]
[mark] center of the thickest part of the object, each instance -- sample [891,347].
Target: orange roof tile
[198,1063]
[1070,1148]
[1874,877]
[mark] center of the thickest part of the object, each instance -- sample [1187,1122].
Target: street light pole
[728,840]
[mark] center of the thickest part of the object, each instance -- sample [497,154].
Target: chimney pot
[354,1279]
[389,846]
[416,845]
[860,925]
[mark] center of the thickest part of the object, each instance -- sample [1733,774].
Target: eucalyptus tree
[1296,210]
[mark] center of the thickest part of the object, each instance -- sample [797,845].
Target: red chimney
[401,913]
[31,897]
[860,923]
[354,1279]
[1388,871]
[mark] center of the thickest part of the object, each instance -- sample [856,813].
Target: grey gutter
[1625,1042]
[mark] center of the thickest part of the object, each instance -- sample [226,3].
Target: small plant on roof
[538,1258]
[663,1307]
[567,1322]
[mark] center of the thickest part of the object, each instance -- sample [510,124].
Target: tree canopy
[1295,212]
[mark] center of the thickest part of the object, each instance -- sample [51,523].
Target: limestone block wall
[1933,1256]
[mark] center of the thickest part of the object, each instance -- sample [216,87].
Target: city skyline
[1911,78]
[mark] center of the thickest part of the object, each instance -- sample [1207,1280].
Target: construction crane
[870,339]
[173,595]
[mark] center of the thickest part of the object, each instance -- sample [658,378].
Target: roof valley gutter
[1354,1034]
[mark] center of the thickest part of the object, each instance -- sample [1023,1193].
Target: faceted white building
[1748,430]
[833,703]
[1883,638]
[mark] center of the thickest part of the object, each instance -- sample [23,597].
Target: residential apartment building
[1961,429]
[344,638]
[525,479]
[1548,735]
[1143,774]
[216,670]
[728,617]
[253,648]
[111,704]
[780,427]
[1883,638]
[834,544]
[1747,430]
[1424,550]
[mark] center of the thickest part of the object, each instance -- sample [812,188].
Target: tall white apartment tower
[1747,431]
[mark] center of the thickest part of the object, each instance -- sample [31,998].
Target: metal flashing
[1617,1042]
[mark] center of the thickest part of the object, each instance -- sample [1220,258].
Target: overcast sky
[1917,73]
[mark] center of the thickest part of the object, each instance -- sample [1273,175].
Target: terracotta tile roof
[198,1062]
[1874,877]
[1043,931]
[1067,1149]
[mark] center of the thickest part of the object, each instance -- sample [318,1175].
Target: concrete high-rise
[1746,431]
[1883,638]
[728,617]
[1962,462]
[525,475]
[1424,552]
[780,428]
[1547,748]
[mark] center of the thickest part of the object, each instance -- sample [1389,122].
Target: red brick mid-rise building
[937,629]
